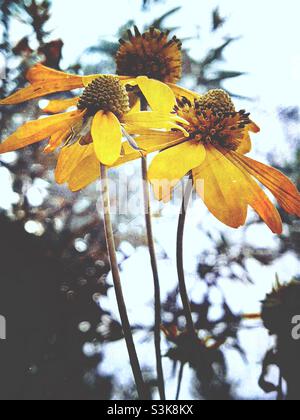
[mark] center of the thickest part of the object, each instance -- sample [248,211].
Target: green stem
[135,365]
[180,268]
[151,246]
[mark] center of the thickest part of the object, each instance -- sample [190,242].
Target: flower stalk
[157,298]
[180,266]
[154,266]
[135,365]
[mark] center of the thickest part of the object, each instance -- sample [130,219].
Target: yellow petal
[137,122]
[41,88]
[171,165]
[61,105]
[107,137]
[127,81]
[69,158]
[220,184]
[135,104]
[56,140]
[281,187]
[246,144]
[156,141]
[140,128]
[259,201]
[159,96]
[87,80]
[180,92]
[35,131]
[148,144]
[39,73]
[85,173]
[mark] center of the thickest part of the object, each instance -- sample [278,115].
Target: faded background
[64,337]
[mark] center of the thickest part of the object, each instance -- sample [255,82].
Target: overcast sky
[268,51]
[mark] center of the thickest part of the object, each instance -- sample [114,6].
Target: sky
[266,50]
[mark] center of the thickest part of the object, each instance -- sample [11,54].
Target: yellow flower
[154,55]
[223,176]
[93,132]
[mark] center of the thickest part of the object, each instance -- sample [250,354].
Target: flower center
[105,94]
[214,120]
[150,54]
[218,101]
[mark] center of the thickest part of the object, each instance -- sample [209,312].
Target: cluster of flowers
[200,135]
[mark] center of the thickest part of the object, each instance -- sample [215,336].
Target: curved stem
[157,294]
[181,277]
[280,396]
[136,369]
[180,378]
[151,246]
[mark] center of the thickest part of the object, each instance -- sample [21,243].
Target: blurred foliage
[278,310]
[61,271]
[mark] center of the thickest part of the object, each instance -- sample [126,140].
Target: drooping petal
[69,158]
[60,105]
[85,173]
[41,88]
[87,170]
[220,184]
[259,201]
[107,137]
[35,131]
[159,96]
[39,73]
[171,165]
[281,187]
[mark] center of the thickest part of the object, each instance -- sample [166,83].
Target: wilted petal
[281,187]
